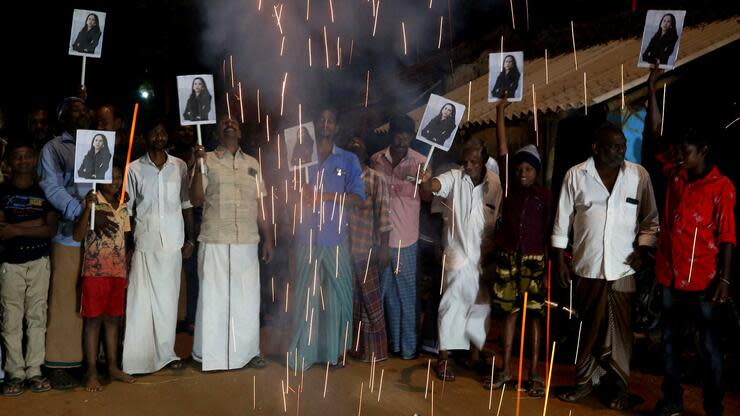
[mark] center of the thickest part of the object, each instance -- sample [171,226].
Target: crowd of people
[349,238]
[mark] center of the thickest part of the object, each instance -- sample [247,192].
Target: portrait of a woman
[303,149]
[663,42]
[440,128]
[97,160]
[89,36]
[199,102]
[507,81]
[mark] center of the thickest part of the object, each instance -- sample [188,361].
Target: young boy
[693,261]
[103,279]
[520,261]
[27,222]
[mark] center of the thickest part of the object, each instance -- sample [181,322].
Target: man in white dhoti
[227,321]
[473,194]
[159,201]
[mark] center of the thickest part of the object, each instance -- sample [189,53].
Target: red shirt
[705,207]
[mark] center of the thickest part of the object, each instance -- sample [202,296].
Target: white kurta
[464,308]
[227,321]
[157,198]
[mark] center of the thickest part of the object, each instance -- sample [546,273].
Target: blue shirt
[341,175]
[57,180]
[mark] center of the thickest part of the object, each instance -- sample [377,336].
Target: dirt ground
[258,392]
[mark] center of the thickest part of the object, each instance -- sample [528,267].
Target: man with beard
[609,204]
[227,322]
[56,170]
[399,166]
[163,236]
[323,262]
[39,130]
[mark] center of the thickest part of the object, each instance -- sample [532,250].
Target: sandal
[536,386]
[13,387]
[499,380]
[39,384]
[257,362]
[443,372]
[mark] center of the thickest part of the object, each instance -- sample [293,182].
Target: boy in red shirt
[693,261]
[103,279]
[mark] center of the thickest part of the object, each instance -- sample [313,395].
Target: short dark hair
[606,128]
[401,123]
[475,144]
[692,136]
[15,144]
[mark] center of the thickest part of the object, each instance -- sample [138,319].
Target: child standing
[103,279]
[693,262]
[520,261]
[27,222]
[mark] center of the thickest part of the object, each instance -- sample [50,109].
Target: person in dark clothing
[89,36]
[97,159]
[663,42]
[508,80]
[199,102]
[440,128]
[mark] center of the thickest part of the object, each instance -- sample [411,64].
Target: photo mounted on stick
[301,145]
[505,76]
[86,37]
[196,100]
[661,38]
[94,156]
[440,121]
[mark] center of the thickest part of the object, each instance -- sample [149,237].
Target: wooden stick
[128,155]
[426,385]
[534,110]
[200,143]
[92,210]
[228,104]
[359,331]
[693,250]
[439,42]
[511,6]
[372,373]
[380,386]
[285,405]
[84,65]
[521,351]
[549,378]
[578,343]
[585,94]
[367,266]
[621,77]
[547,72]
[326,48]
[432,397]
[416,182]
[346,333]
[665,90]
[359,408]
[573,37]
[403,30]
[506,185]
[241,103]
[501,400]
[287,292]
[326,378]
[442,280]
[310,60]
[490,391]
[470,89]
[259,112]
[570,303]
[254,392]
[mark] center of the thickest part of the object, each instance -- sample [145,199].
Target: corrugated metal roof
[602,65]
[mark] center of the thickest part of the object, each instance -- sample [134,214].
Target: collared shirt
[405,200]
[472,209]
[703,207]
[369,219]
[233,188]
[339,174]
[106,256]
[156,200]
[57,179]
[605,225]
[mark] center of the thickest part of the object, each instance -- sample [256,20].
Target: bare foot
[92,383]
[118,375]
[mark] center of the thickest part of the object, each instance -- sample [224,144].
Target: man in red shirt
[697,234]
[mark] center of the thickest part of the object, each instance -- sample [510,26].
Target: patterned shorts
[514,275]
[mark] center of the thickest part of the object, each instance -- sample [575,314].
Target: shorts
[103,296]
[514,275]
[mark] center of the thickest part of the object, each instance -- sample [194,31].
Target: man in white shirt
[160,203]
[609,205]
[473,194]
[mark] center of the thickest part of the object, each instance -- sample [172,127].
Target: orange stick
[549,378]
[128,154]
[521,352]
[547,324]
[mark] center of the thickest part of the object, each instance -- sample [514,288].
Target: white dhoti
[464,309]
[151,311]
[227,322]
